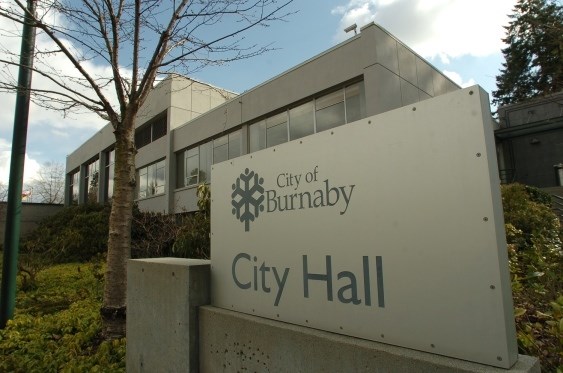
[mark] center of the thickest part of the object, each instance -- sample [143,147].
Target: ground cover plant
[533,234]
[57,325]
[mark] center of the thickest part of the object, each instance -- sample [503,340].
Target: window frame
[150,172]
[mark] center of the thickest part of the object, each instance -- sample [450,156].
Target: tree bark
[113,310]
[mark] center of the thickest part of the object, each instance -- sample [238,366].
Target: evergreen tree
[534,56]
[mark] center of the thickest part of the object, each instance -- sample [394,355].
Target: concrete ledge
[233,342]
[162,299]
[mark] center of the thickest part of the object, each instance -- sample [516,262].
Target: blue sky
[459,37]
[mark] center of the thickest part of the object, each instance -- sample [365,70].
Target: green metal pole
[13,212]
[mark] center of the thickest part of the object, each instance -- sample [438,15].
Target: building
[530,142]
[186,126]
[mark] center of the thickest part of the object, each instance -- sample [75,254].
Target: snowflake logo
[248,206]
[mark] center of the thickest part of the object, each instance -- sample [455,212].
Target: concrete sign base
[236,342]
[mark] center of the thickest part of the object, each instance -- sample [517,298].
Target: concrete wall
[31,215]
[535,155]
[235,342]
[530,138]
[169,329]
[531,111]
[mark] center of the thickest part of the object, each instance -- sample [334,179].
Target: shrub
[193,239]
[57,326]
[75,234]
[536,264]
[152,234]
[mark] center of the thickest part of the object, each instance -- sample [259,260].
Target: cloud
[458,79]
[55,123]
[56,67]
[31,166]
[434,28]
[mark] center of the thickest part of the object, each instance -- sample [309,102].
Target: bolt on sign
[388,229]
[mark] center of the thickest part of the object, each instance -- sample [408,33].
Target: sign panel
[388,229]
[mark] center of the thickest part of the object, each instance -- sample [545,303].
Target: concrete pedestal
[162,326]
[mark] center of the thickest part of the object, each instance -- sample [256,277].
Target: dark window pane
[257,136]
[192,166]
[329,100]
[330,117]
[276,130]
[160,177]
[301,121]
[180,170]
[151,180]
[234,144]
[205,155]
[142,183]
[329,111]
[220,149]
[143,137]
[355,102]
[159,128]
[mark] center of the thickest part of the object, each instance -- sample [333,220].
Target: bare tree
[49,184]
[3,192]
[138,41]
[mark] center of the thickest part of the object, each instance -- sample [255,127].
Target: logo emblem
[248,195]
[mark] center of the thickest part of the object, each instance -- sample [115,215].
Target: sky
[461,38]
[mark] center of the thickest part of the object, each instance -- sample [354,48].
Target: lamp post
[19,139]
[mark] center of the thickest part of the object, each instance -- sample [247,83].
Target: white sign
[388,229]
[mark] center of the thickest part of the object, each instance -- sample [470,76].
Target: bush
[57,326]
[75,234]
[193,238]
[533,235]
[152,234]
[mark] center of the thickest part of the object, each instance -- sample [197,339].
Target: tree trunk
[113,310]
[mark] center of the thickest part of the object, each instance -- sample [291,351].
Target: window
[159,128]
[74,183]
[276,130]
[205,161]
[257,136]
[143,137]
[344,105]
[194,164]
[92,180]
[301,121]
[221,149]
[329,111]
[110,173]
[227,147]
[355,102]
[152,180]
[234,144]
[151,132]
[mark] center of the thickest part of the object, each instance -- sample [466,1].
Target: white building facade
[186,126]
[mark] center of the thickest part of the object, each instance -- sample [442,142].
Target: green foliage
[534,56]
[536,264]
[57,326]
[75,234]
[193,239]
